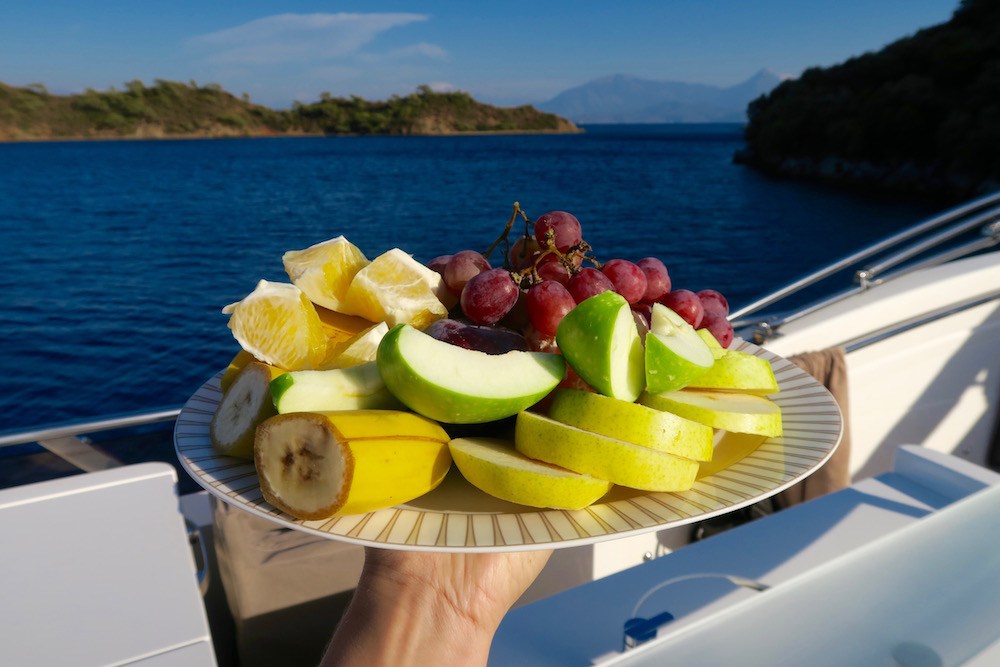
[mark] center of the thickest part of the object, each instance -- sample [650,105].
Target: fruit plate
[458,517]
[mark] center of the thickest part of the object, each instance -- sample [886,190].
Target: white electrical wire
[737,580]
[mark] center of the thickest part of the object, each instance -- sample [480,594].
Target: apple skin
[600,341]
[638,424]
[495,467]
[617,461]
[738,371]
[355,388]
[454,385]
[666,368]
[713,344]
[729,411]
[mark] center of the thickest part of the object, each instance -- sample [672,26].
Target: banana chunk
[246,403]
[313,465]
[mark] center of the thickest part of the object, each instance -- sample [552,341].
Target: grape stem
[531,272]
[506,230]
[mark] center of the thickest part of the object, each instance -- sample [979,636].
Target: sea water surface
[118,256]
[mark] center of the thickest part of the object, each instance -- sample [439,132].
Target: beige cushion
[286,589]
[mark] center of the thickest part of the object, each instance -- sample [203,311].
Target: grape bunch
[546,271]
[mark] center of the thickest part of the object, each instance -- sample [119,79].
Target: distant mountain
[628,99]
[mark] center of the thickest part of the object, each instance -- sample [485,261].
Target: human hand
[426,608]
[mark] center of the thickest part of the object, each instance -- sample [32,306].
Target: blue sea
[119,255]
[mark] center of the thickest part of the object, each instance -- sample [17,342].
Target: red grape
[720,327]
[491,340]
[553,270]
[522,252]
[657,278]
[713,301]
[686,304]
[645,313]
[489,296]
[461,268]
[574,381]
[587,283]
[438,263]
[564,226]
[539,342]
[629,280]
[547,303]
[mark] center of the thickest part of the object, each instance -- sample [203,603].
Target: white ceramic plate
[458,517]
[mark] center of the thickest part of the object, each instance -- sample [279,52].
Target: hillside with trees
[922,115]
[172,109]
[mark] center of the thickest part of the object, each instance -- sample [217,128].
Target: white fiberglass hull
[923,364]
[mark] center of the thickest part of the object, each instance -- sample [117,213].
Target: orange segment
[324,271]
[357,350]
[278,325]
[395,288]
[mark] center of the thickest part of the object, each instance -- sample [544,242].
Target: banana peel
[314,465]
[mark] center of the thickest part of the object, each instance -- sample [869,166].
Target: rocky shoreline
[909,178]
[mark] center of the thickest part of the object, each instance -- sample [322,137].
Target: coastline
[204,136]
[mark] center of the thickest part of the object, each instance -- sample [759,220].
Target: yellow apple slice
[740,413]
[587,453]
[713,344]
[495,467]
[738,371]
[633,423]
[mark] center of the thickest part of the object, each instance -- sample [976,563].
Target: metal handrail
[764,329]
[947,217]
[991,230]
[915,322]
[79,428]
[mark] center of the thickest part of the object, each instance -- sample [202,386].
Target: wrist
[401,618]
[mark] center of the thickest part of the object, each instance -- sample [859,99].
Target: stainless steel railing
[981,213]
[76,428]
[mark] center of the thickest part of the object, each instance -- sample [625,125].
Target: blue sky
[502,52]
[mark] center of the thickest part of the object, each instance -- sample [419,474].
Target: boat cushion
[286,589]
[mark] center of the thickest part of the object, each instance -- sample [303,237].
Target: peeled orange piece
[357,350]
[324,271]
[278,325]
[395,288]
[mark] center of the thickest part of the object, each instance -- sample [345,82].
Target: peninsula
[170,109]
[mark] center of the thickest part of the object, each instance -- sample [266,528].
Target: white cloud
[285,38]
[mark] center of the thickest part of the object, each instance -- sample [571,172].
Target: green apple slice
[495,467]
[633,423]
[713,344]
[738,371]
[458,386]
[675,353]
[600,340]
[597,455]
[355,388]
[740,413]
